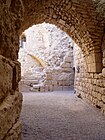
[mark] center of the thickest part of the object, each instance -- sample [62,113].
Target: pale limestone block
[99,96]
[54,16]
[46,88]
[36,86]
[54,83]
[65,65]
[67,69]
[42,89]
[60,83]
[50,88]
[68,59]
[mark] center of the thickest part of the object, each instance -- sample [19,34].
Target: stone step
[37,88]
[46,88]
[29,82]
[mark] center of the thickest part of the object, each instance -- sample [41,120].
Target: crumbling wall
[50,45]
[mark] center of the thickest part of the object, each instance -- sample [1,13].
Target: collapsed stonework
[46,58]
[83,21]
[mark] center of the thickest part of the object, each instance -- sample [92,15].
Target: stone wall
[81,20]
[75,19]
[10,98]
[53,47]
[89,86]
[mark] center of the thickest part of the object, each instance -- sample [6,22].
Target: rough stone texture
[74,18]
[88,85]
[54,48]
[10,98]
[83,21]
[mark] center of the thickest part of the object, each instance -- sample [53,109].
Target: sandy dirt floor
[60,115]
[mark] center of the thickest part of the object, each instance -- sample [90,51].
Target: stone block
[67,69]
[104,52]
[18,71]
[48,76]
[24,88]
[34,89]
[99,96]
[65,65]
[103,107]
[100,104]
[103,62]
[103,98]
[46,88]
[10,112]
[42,89]
[6,77]
[103,72]
[15,132]
[94,67]
[50,88]
[66,82]
[36,86]
[54,83]
[68,59]
[62,22]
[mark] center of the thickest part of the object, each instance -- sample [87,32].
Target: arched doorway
[73,17]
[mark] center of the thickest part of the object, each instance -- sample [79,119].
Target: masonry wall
[80,20]
[10,98]
[89,86]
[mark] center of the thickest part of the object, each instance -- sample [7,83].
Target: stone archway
[74,19]
[80,20]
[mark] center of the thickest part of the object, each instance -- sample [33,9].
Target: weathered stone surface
[15,132]
[6,77]
[51,45]
[103,72]
[67,59]
[103,98]
[89,86]
[9,113]
[65,65]
[74,17]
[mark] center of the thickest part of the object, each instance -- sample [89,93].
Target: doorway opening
[46,57]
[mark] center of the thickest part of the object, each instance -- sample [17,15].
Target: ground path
[60,116]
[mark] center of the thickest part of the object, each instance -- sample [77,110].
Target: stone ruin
[83,21]
[46,56]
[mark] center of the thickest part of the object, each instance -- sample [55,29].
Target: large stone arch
[80,20]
